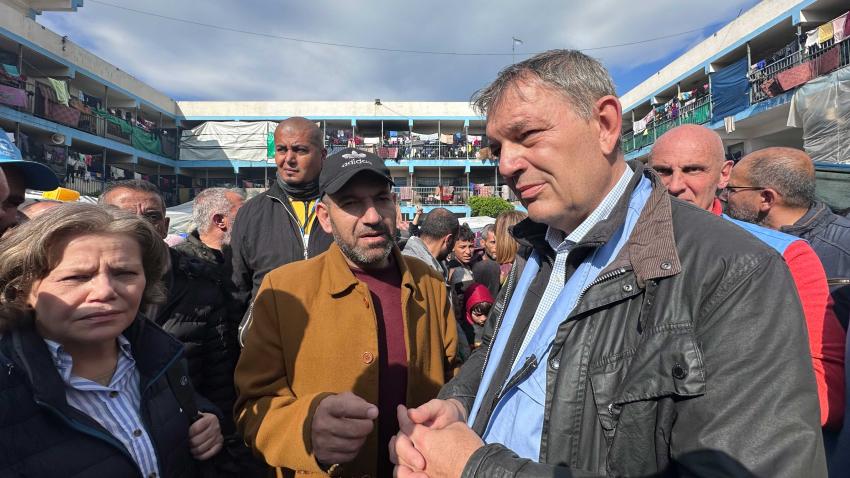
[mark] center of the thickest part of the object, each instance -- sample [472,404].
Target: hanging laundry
[838,27]
[847,25]
[811,38]
[771,88]
[64,114]
[794,77]
[61,90]
[825,33]
[91,101]
[13,96]
[826,62]
[12,70]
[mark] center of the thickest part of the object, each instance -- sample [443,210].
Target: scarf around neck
[300,192]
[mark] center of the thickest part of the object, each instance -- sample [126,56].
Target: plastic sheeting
[223,140]
[729,89]
[822,108]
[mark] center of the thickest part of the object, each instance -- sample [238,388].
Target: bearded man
[338,341]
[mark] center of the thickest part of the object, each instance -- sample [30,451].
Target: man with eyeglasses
[775,188]
[691,161]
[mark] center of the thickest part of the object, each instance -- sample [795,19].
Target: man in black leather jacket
[673,342]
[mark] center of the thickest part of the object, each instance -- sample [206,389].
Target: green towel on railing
[61,89]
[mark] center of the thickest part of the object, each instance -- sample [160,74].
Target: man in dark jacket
[213,212]
[636,335]
[195,309]
[486,271]
[784,199]
[279,226]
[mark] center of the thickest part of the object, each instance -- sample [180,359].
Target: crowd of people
[683,317]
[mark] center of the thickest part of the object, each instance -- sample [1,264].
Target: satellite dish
[57,138]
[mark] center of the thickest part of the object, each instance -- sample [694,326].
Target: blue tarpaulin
[729,93]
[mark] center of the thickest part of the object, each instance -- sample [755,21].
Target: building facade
[775,76]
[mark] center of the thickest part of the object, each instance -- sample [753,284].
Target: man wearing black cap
[338,341]
[20,175]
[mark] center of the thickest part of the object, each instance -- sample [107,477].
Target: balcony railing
[766,82]
[419,151]
[698,112]
[99,123]
[446,195]
[86,187]
[432,196]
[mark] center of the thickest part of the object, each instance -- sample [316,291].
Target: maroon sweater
[385,288]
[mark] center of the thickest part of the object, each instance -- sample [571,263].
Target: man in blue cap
[20,175]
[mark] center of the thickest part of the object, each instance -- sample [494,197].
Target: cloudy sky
[249,59]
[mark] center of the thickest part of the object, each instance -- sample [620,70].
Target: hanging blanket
[64,114]
[838,27]
[794,77]
[827,62]
[13,96]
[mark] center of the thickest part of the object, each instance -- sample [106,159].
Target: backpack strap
[180,384]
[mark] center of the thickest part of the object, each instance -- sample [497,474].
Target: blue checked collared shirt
[562,244]
[116,407]
[517,420]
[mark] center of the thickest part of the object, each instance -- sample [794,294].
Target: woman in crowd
[88,387]
[506,245]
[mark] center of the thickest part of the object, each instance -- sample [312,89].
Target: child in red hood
[478,304]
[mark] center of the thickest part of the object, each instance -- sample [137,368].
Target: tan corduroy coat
[314,333]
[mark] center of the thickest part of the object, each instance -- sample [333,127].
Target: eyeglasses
[728,190]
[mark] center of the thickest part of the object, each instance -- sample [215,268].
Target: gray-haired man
[213,212]
[636,335]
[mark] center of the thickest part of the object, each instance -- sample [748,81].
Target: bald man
[692,164]
[787,203]
[279,226]
[691,161]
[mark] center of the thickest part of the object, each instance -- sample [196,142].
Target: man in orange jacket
[338,341]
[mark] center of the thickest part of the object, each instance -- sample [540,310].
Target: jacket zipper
[508,293]
[600,279]
[527,367]
[303,244]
